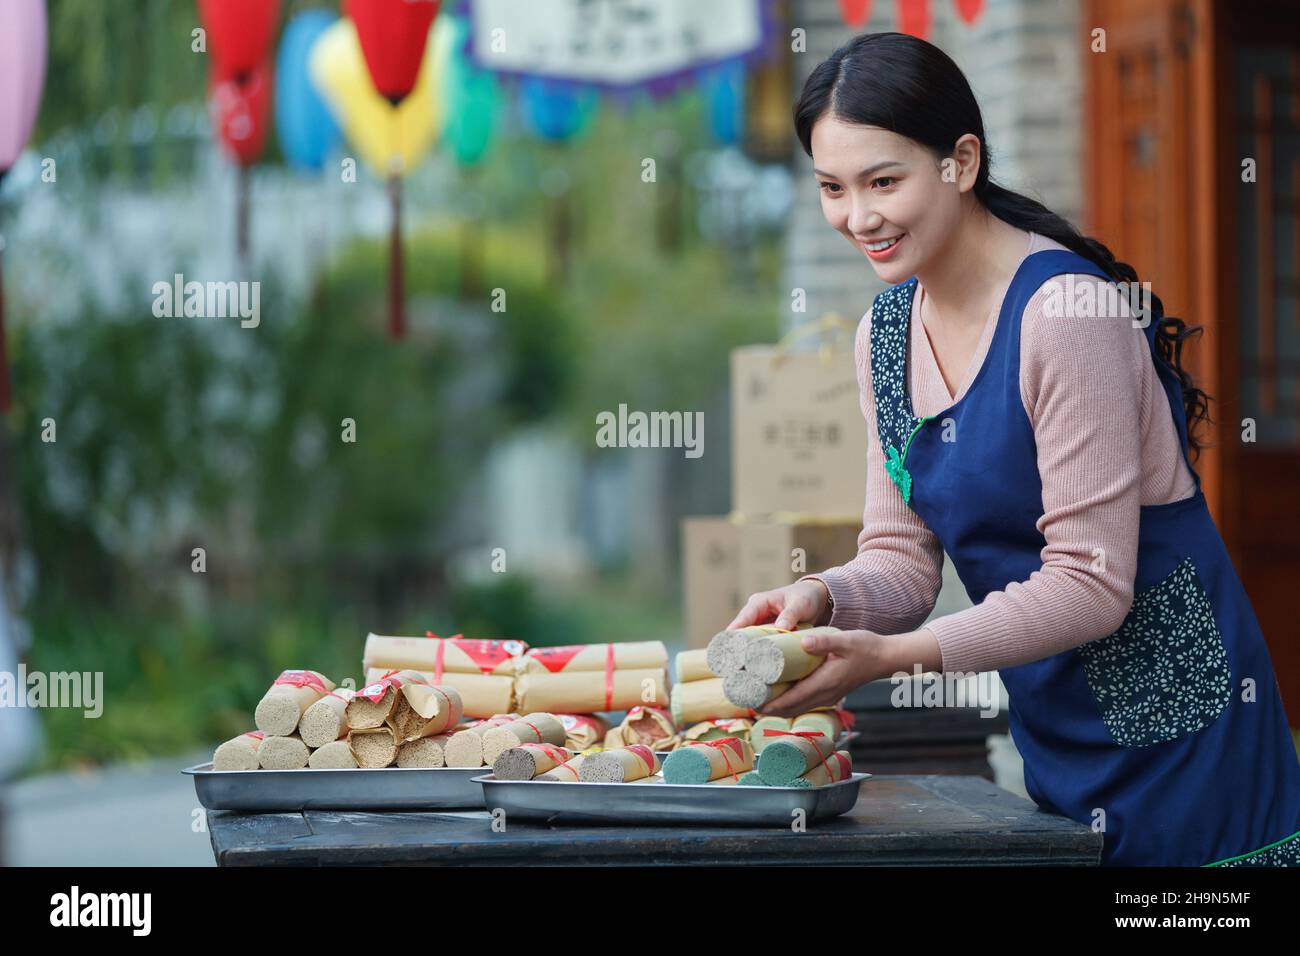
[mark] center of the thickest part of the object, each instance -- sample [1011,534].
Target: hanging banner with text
[614,43]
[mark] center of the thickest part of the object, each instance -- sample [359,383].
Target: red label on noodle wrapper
[731,743]
[558,754]
[570,721]
[375,692]
[644,752]
[301,679]
[488,654]
[555,659]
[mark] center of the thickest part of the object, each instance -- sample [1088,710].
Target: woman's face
[877,185]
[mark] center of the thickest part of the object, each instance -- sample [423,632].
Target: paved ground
[125,815]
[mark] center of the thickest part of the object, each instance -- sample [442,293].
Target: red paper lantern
[969,10]
[855,12]
[241,111]
[239,33]
[914,18]
[913,15]
[393,34]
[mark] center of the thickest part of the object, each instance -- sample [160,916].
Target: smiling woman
[899,152]
[1048,452]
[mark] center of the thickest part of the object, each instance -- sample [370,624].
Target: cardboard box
[710,596]
[772,554]
[799,442]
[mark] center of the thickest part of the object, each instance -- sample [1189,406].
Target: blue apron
[1168,735]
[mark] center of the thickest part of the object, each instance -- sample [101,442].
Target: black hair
[903,84]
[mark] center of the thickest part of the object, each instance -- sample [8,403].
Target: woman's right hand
[802,602]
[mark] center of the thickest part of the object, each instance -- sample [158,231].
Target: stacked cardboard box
[798,475]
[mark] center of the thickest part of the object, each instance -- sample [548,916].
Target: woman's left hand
[852,658]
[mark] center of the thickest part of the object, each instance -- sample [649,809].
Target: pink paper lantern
[22,74]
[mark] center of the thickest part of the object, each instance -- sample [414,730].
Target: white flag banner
[613,42]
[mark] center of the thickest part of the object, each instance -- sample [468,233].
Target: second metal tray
[629,804]
[390,788]
[842,743]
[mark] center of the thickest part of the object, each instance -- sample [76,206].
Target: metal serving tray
[653,801]
[389,788]
[842,743]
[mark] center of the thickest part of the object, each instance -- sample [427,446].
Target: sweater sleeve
[1083,385]
[892,584]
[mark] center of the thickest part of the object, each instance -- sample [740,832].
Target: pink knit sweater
[1106,445]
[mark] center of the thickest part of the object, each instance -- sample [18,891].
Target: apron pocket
[1165,672]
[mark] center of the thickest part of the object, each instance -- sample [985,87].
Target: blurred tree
[175,433]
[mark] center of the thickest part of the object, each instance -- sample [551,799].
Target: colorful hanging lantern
[392,34]
[724,91]
[390,139]
[471,101]
[239,33]
[969,10]
[241,113]
[23,40]
[557,110]
[913,15]
[22,74]
[391,135]
[855,12]
[304,126]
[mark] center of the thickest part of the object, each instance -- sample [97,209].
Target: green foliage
[661,343]
[182,432]
[171,683]
[657,309]
[544,616]
[107,60]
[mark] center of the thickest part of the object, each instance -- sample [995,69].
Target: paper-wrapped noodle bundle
[650,726]
[528,761]
[282,706]
[791,754]
[239,753]
[627,656]
[536,728]
[283,753]
[703,761]
[620,765]
[326,720]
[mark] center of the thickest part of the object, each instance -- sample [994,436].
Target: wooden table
[928,820]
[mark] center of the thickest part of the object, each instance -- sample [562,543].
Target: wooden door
[1186,91]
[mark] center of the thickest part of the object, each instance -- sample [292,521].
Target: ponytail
[1032,216]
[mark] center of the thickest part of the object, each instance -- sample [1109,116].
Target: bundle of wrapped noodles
[591,678]
[760,662]
[482,671]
